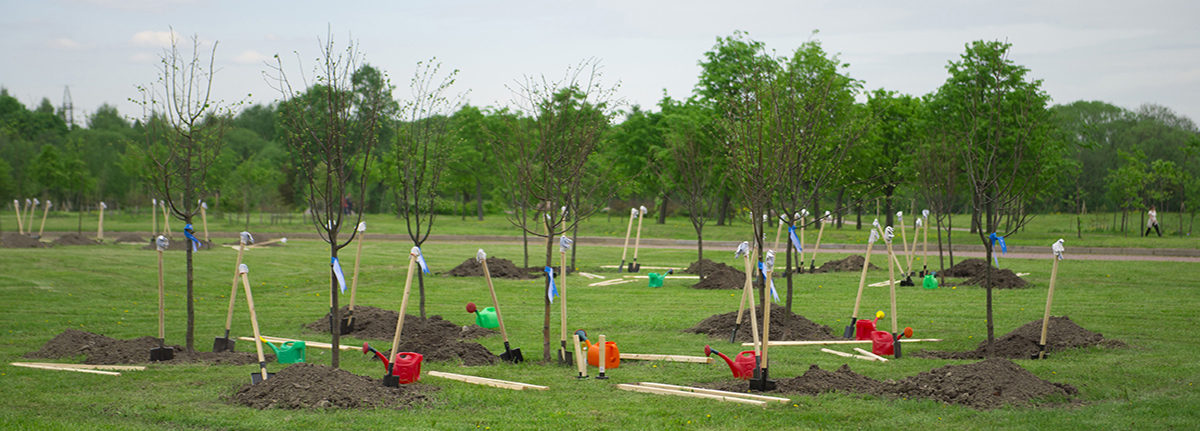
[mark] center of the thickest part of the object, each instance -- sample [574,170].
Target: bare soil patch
[75,239]
[316,386]
[1001,279]
[101,350]
[1062,334]
[435,338]
[984,385]
[798,327]
[12,240]
[717,276]
[499,268]
[967,268]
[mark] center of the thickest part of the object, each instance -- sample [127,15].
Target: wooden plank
[668,358]
[590,275]
[78,370]
[313,344]
[716,392]
[829,342]
[669,277]
[661,391]
[612,282]
[848,355]
[487,382]
[84,366]
[870,354]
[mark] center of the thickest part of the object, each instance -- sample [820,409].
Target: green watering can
[931,282]
[487,318]
[289,352]
[656,279]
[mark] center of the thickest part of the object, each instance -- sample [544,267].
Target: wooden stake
[45,212]
[580,362]
[99,226]
[166,220]
[313,344]
[78,370]
[562,296]
[48,365]
[862,281]
[487,382]
[362,229]
[848,355]
[262,360]
[17,207]
[666,358]
[869,354]
[1049,300]
[154,220]
[628,231]
[204,219]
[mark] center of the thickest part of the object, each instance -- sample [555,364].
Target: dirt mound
[315,386]
[434,337]
[180,244]
[75,239]
[102,350]
[708,266]
[721,326]
[967,269]
[12,240]
[1001,279]
[1022,342]
[720,276]
[982,385]
[500,268]
[850,263]
[131,238]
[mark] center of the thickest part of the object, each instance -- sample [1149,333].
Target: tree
[422,152]
[319,125]
[698,160]
[893,139]
[185,129]
[1001,123]
[548,160]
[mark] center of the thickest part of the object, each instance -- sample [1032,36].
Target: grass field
[111,290]
[1043,230]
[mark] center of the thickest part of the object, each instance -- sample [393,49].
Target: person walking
[1152,222]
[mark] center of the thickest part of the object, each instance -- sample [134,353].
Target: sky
[1124,53]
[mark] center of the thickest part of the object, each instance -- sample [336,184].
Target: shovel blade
[849,332]
[733,337]
[162,354]
[566,358]
[223,344]
[513,356]
[760,382]
[255,378]
[1041,353]
[347,325]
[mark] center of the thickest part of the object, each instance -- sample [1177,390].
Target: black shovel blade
[733,337]
[1041,353]
[223,344]
[391,381]
[513,356]
[162,354]
[760,382]
[631,268]
[255,378]
[896,346]
[566,358]
[347,326]
[849,332]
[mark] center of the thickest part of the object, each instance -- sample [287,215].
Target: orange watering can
[612,356]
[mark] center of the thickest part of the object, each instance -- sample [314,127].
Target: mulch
[101,350]
[437,339]
[1062,334]
[798,327]
[316,386]
[984,385]
[499,268]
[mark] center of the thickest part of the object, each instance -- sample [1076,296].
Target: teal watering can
[289,352]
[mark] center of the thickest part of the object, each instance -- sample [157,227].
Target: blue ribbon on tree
[795,239]
[337,272]
[421,260]
[1003,247]
[553,291]
[771,282]
[187,231]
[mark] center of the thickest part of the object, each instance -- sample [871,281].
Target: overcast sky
[1121,52]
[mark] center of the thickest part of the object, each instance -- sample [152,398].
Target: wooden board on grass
[662,391]
[518,386]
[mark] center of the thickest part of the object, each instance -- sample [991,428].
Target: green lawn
[111,290]
[1043,230]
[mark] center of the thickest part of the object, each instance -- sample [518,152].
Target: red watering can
[743,368]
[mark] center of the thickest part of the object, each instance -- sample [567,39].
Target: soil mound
[315,386]
[1062,334]
[75,239]
[499,268]
[720,276]
[102,350]
[982,385]
[435,338]
[1001,279]
[799,328]
[708,266]
[850,263]
[967,269]
[12,240]
[131,238]
[180,244]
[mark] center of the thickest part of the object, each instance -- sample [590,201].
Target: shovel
[812,266]
[1058,251]
[888,234]
[510,354]
[226,344]
[262,373]
[564,244]
[45,212]
[161,353]
[633,212]
[348,322]
[761,380]
[743,249]
[862,281]
[390,379]
[633,266]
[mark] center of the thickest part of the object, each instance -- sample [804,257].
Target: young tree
[698,161]
[320,124]
[547,160]
[422,152]
[184,132]
[1000,120]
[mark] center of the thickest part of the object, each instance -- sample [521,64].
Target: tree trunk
[421,288]
[479,198]
[787,331]
[858,216]
[723,210]
[546,357]
[662,209]
[191,308]
[335,315]
[986,224]
[838,210]
[941,260]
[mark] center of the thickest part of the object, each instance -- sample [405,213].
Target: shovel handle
[161,299]
[487,275]
[862,281]
[625,248]
[258,344]
[412,263]
[233,289]
[1049,300]
[354,278]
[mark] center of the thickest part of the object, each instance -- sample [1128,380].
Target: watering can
[930,281]
[882,343]
[487,318]
[612,356]
[656,279]
[742,368]
[864,328]
[407,367]
[289,352]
